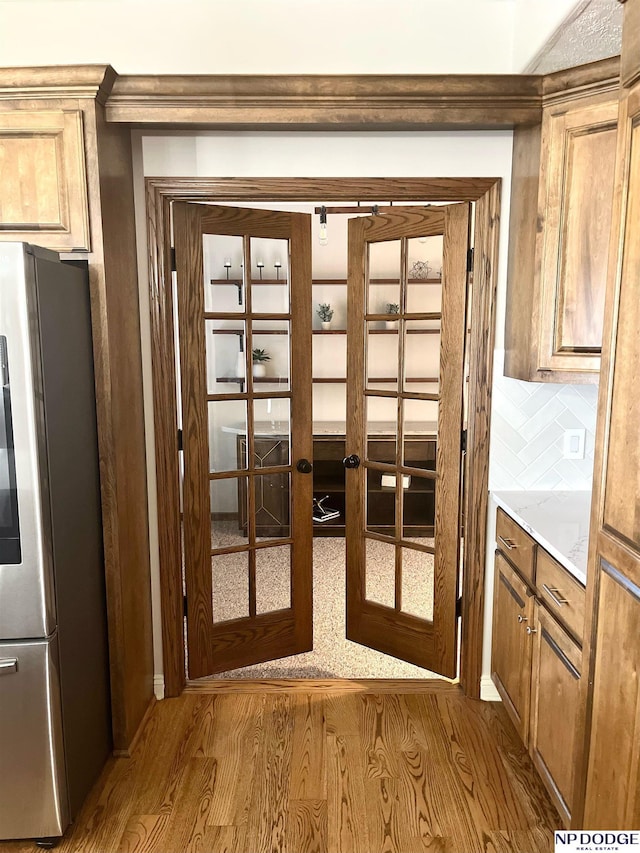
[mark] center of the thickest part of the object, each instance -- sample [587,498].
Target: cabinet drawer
[515,544]
[561,593]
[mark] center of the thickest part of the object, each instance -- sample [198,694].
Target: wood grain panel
[562,195]
[481,345]
[330,101]
[511,646]
[42,173]
[605,541]
[561,593]
[308,768]
[621,511]
[578,161]
[267,818]
[130,630]
[555,677]
[246,190]
[165,419]
[630,54]
[187,231]
[516,545]
[464,783]
[523,282]
[612,795]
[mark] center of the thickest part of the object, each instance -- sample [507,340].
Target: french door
[404,433]
[247,438]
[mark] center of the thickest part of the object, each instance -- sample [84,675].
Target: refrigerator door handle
[8,665]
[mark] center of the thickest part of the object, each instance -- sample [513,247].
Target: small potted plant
[325,312]
[260,358]
[392,308]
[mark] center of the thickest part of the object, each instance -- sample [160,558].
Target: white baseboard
[488,690]
[158,686]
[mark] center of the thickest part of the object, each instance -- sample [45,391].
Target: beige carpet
[333,656]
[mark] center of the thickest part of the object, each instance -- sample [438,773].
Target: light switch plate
[574,440]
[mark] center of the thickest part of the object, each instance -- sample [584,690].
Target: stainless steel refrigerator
[55,733]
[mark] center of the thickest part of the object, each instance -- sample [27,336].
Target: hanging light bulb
[323,236]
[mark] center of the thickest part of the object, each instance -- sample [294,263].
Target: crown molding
[57,81]
[327,101]
[333,102]
[595,78]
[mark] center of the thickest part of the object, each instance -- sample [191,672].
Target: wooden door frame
[160,193]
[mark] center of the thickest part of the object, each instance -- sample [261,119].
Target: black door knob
[352,461]
[304,466]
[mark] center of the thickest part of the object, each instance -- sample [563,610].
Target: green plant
[392,308]
[260,356]
[325,312]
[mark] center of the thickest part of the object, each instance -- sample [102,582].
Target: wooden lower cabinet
[536,666]
[555,683]
[511,655]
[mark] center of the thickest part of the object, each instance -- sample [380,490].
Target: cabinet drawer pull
[531,630]
[509,544]
[522,618]
[551,592]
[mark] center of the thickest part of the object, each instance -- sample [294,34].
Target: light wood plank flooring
[318,771]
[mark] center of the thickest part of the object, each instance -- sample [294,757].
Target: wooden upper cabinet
[43,179]
[630,55]
[562,195]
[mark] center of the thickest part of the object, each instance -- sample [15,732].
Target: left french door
[247,438]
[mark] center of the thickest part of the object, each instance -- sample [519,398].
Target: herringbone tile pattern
[528,423]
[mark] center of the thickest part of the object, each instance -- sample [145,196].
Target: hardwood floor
[318,771]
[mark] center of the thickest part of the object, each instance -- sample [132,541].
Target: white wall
[256,36]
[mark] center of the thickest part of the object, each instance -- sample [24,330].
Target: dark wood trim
[160,193]
[592,79]
[476,499]
[244,190]
[328,101]
[126,752]
[165,414]
[603,423]
[326,685]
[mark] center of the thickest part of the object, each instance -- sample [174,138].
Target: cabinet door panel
[43,179]
[555,683]
[612,779]
[622,515]
[576,217]
[613,798]
[511,644]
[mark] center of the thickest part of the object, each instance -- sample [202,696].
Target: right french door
[404,432]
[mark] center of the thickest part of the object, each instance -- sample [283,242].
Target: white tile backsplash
[528,423]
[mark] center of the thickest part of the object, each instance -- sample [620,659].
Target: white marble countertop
[559,521]
[262,428]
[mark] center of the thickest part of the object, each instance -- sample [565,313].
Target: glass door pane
[246,411]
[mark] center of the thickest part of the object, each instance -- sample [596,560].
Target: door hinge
[463,441]
[458,607]
[180,445]
[470,254]
[174,268]
[184,605]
